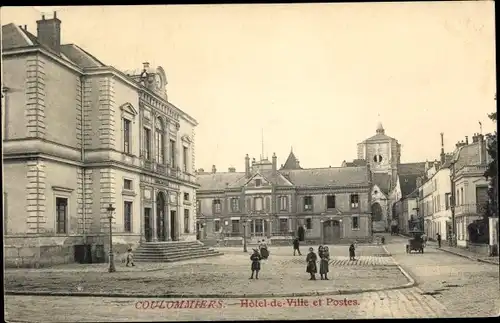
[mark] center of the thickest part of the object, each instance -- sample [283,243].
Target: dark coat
[352,251]
[296,243]
[255,258]
[311,263]
[323,263]
[301,232]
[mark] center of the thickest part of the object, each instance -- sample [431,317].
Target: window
[377,158]
[160,141]
[258,182]
[258,226]
[217,206]
[216,225]
[457,197]
[235,226]
[354,201]
[447,201]
[355,222]
[198,207]
[308,223]
[308,203]
[186,221]
[127,216]
[283,203]
[235,204]
[147,143]
[126,136]
[127,184]
[185,158]
[62,214]
[462,196]
[283,225]
[330,202]
[258,203]
[186,197]
[172,154]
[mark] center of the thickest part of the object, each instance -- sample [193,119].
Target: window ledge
[353,229]
[128,192]
[188,203]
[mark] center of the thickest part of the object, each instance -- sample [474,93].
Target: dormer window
[258,182]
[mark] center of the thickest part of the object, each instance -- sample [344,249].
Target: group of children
[311,259]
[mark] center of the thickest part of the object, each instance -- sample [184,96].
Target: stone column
[141,214]
[179,215]
[154,236]
[166,218]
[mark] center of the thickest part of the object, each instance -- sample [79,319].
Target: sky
[315,77]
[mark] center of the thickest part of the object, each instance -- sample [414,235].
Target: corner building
[331,204]
[79,135]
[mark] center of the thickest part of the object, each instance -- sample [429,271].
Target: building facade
[470,186]
[79,136]
[264,202]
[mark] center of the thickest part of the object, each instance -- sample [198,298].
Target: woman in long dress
[311,264]
[323,263]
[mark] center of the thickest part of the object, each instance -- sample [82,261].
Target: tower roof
[291,162]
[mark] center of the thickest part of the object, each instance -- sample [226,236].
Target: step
[177,257]
[183,254]
[180,258]
[147,251]
[171,248]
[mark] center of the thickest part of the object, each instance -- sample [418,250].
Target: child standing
[255,258]
[352,253]
[311,264]
[130,257]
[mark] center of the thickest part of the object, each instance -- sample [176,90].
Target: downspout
[84,202]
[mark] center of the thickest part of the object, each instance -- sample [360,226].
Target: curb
[411,281]
[469,257]
[118,295]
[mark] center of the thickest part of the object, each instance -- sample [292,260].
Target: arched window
[160,141]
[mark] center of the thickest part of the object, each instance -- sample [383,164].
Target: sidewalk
[469,254]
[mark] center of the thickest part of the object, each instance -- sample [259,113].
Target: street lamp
[245,221]
[110,210]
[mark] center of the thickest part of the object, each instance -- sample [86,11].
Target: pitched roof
[80,57]
[331,176]
[217,181]
[355,163]
[14,37]
[291,162]
[383,181]
[411,168]
[379,137]
[467,156]
[408,183]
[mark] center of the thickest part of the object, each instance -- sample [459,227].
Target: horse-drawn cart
[416,242]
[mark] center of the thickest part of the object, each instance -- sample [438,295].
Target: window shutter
[268,204]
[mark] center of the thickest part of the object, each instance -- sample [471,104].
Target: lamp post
[112,268]
[245,221]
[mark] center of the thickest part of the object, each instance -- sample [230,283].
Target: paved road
[464,287]
[476,294]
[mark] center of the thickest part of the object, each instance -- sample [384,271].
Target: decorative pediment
[128,108]
[257,180]
[186,139]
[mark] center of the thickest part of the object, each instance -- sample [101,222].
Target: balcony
[471,209]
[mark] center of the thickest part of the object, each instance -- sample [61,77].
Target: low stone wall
[480,249]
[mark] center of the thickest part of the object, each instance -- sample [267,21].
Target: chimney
[482,149]
[214,170]
[231,169]
[247,166]
[275,163]
[442,155]
[145,66]
[466,140]
[49,32]
[253,161]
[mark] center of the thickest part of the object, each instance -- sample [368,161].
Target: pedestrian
[439,240]
[323,263]
[382,240]
[352,252]
[130,258]
[264,252]
[255,258]
[311,264]
[296,245]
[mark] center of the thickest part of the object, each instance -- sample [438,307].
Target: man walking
[439,240]
[296,245]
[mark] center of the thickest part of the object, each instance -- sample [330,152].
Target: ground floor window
[216,225]
[61,215]
[283,225]
[308,223]
[127,216]
[355,222]
[235,226]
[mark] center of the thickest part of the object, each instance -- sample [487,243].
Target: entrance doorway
[160,216]
[173,225]
[148,233]
[331,232]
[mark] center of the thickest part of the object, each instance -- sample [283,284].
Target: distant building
[80,135]
[331,203]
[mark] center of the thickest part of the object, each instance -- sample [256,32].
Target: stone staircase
[172,251]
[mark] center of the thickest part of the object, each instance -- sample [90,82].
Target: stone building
[80,135]
[389,176]
[331,204]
